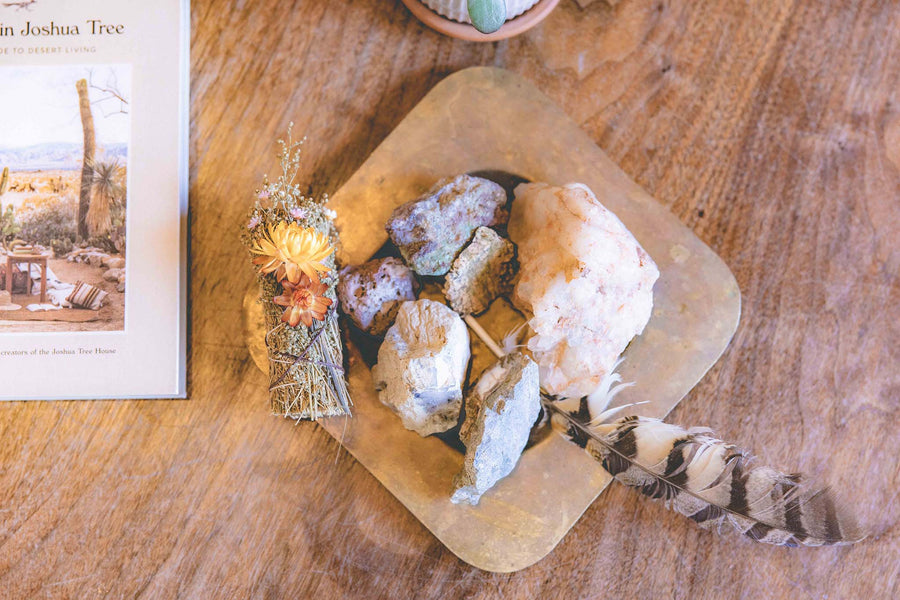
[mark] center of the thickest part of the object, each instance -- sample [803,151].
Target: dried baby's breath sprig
[292,239]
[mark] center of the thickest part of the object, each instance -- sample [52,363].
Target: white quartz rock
[422,366]
[584,280]
[500,412]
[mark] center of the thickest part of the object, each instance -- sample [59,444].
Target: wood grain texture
[770,128]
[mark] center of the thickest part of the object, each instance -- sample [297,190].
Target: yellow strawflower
[289,250]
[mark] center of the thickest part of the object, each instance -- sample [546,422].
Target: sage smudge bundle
[292,238]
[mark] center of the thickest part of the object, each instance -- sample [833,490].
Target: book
[93,198]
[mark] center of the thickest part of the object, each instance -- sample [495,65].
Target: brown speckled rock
[432,229]
[371,293]
[482,272]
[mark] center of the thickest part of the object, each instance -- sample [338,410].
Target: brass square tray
[486,119]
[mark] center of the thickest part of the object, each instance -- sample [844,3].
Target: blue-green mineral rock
[431,230]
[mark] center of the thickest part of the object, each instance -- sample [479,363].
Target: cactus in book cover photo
[64,197]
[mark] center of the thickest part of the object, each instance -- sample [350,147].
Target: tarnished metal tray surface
[485,119]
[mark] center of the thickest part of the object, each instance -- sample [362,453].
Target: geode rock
[422,366]
[371,293]
[432,229]
[482,272]
[500,412]
[585,280]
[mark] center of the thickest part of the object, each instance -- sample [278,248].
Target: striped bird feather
[704,478]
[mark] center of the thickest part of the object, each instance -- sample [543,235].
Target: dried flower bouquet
[291,238]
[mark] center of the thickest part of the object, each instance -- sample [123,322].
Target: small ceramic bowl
[537,12]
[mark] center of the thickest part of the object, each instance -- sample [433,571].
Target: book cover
[93,198]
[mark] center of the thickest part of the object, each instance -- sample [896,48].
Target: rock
[482,272]
[432,229]
[114,262]
[500,412]
[122,276]
[120,287]
[94,258]
[112,275]
[75,255]
[371,293]
[422,366]
[585,281]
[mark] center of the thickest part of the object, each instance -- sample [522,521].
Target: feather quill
[706,479]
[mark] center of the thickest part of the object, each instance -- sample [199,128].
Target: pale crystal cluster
[584,280]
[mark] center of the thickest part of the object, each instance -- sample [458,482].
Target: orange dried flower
[303,301]
[289,250]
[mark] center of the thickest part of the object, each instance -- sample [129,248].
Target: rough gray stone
[500,412]
[432,229]
[371,293]
[482,272]
[422,366]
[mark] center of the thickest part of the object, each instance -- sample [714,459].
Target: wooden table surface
[772,129]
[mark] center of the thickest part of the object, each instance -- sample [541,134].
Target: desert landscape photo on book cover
[64,137]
